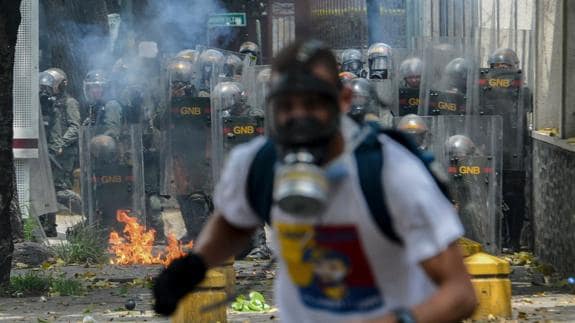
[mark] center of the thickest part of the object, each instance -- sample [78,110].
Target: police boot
[194,208]
[258,249]
[154,217]
[49,224]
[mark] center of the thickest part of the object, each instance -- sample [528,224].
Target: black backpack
[368,155]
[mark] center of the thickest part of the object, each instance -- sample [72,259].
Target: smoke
[179,24]
[85,35]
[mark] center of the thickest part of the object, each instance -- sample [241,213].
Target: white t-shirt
[339,265]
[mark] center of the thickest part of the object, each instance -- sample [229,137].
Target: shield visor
[379,68]
[94,92]
[447,71]
[112,175]
[474,171]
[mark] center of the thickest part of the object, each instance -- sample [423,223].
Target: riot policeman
[138,111]
[449,96]
[251,49]
[456,76]
[410,74]
[232,67]
[61,119]
[181,78]
[210,62]
[351,61]
[366,104]
[238,123]
[186,175]
[379,61]
[416,126]
[502,92]
[465,168]
[103,112]
[503,58]
[108,197]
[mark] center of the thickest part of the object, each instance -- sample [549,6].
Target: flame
[136,244]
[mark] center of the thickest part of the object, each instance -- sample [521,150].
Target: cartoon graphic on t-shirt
[329,267]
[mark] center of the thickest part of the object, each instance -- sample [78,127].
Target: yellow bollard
[227,269]
[490,278]
[211,291]
[469,247]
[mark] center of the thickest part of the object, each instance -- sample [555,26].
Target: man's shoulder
[398,160]
[243,154]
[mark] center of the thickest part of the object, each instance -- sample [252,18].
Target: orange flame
[136,244]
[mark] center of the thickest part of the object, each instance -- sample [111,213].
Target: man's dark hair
[310,54]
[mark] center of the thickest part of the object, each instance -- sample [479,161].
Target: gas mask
[301,185]
[47,98]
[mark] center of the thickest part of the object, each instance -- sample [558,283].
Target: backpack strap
[428,159]
[260,183]
[369,158]
[369,162]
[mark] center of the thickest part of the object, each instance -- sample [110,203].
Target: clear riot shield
[185,158]
[445,78]
[503,90]
[469,147]
[43,192]
[234,121]
[186,151]
[229,66]
[387,87]
[409,69]
[469,150]
[112,175]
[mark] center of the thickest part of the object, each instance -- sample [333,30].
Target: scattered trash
[255,303]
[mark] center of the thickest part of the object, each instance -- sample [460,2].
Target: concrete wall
[549,64]
[554,205]
[568,113]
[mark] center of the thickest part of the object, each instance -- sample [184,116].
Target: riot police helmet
[379,61]
[363,92]
[250,48]
[503,58]
[95,86]
[351,61]
[53,81]
[210,61]
[190,55]
[232,65]
[104,149]
[416,126]
[456,74]
[410,71]
[181,73]
[181,70]
[460,146]
[229,97]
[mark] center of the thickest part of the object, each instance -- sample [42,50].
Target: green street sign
[234,19]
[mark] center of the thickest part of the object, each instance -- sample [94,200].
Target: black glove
[178,279]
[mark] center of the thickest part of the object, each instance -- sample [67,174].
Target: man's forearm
[454,299]
[451,303]
[219,240]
